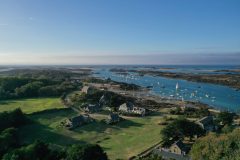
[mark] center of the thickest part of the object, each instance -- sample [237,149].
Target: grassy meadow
[32,105]
[121,141]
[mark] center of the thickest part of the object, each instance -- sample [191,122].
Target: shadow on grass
[102,127]
[51,111]
[6,102]
[38,127]
[30,133]
[155,114]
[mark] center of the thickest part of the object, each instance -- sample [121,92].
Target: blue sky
[84,31]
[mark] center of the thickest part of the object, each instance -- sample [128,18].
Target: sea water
[217,96]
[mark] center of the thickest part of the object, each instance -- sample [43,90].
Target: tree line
[18,87]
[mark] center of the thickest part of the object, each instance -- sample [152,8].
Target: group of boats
[167,91]
[211,94]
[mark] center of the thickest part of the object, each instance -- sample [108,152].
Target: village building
[77,121]
[206,123]
[92,108]
[126,107]
[87,90]
[129,108]
[178,148]
[139,111]
[113,118]
[177,151]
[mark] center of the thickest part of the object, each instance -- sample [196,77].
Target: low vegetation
[191,112]
[113,100]
[124,86]
[215,146]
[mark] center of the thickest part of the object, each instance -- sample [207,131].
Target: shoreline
[229,80]
[143,96]
[220,79]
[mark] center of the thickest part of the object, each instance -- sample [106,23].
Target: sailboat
[177,86]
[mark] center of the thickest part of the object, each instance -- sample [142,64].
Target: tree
[225,118]
[88,152]
[13,118]
[8,140]
[178,129]
[29,90]
[38,150]
[10,83]
[48,91]
[227,129]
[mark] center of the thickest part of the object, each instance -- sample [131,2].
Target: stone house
[129,108]
[178,148]
[77,121]
[92,108]
[126,107]
[139,111]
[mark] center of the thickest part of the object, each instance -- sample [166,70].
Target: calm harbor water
[217,96]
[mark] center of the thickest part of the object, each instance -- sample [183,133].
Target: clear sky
[119,31]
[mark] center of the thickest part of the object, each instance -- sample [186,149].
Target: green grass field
[121,141]
[29,106]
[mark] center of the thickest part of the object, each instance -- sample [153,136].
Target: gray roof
[168,155]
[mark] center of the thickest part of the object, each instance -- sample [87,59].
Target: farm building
[139,111]
[178,148]
[126,107]
[129,108]
[177,151]
[77,121]
[92,108]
